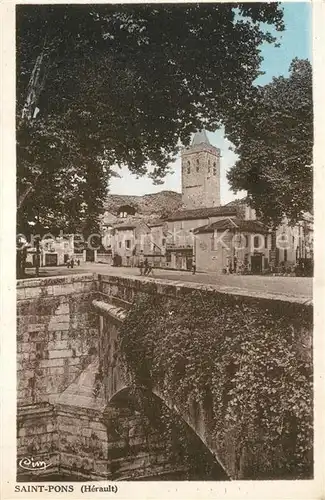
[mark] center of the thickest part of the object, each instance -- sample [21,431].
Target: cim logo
[32,465]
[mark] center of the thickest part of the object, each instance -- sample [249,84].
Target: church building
[201,203]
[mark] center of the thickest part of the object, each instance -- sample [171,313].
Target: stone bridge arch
[115,382]
[121,399]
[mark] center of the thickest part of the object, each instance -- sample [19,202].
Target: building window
[168,257]
[120,244]
[256,242]
[197,169]
[214,171]
[285,255]
[128,244]
[265,241]
[246,241]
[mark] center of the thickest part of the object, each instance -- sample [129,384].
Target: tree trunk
[29,112]
[35,86]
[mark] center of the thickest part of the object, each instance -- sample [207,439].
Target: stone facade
[53,251]
[224,247]
[180,250]
[139,240]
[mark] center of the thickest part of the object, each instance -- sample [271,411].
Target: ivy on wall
[243,360]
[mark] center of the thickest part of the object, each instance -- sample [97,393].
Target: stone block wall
[37,439]
[56,331]
[107,445]
[82,442]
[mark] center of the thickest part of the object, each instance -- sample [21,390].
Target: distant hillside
[160,204]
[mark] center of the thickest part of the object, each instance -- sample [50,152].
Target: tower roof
[200,137]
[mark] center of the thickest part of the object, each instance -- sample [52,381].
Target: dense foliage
[119,84]
[273,134]
[247,360]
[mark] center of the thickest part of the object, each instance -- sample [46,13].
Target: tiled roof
[155,223]
[202,213]
[237,203]
[234,224]
[124,226]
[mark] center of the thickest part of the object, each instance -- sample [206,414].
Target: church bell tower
[201,173]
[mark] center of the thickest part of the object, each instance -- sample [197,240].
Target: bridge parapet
[292,315]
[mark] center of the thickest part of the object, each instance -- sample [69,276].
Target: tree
[273,137]
[114,84]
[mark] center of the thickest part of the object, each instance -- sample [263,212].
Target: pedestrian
[193,267]
[150,270]
[78,262]
[68,263]
[72,263]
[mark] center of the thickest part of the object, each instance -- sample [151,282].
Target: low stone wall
[104,258]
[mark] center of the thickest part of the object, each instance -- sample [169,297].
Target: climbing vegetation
[242,363]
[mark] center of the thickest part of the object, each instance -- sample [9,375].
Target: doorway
[51,259]
[256,264]
[90,255]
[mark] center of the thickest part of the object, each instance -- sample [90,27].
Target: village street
[244,284]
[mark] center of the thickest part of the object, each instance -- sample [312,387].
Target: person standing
[150,270]
[141,263]
[193,267]
[146,267]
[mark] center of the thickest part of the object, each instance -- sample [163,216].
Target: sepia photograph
[164,243]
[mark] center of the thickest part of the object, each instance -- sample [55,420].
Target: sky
[296,41]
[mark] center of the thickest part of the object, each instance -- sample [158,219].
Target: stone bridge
[68,333]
